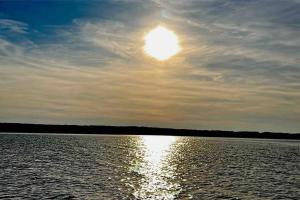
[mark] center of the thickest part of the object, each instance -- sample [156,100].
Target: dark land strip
[135,130]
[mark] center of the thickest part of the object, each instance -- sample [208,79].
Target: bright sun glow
[161,43]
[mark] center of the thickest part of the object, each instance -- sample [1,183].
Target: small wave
[63,196]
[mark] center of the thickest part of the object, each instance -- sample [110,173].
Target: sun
[161,43]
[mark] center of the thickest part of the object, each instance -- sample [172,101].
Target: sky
[82,62]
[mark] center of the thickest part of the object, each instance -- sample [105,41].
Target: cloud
[239,68]
[12,26]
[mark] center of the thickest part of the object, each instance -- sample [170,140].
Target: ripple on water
[150,167]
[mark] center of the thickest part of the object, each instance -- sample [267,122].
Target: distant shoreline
[134,130]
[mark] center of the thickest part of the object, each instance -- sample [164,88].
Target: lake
[39,166]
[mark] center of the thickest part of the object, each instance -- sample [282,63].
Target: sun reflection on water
[157,171]
[157,147]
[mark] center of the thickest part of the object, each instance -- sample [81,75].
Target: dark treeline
[134,130]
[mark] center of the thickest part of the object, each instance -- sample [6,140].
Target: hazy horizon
[79,62]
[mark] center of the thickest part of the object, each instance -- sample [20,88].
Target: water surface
[147,167]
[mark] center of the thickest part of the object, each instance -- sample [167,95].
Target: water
[147,167]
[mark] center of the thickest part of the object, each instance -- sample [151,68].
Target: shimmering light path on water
[147,167]
[156,170]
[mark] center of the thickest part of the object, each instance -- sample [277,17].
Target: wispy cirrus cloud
[239,68]
[12,26]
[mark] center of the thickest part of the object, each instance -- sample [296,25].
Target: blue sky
[82,62]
